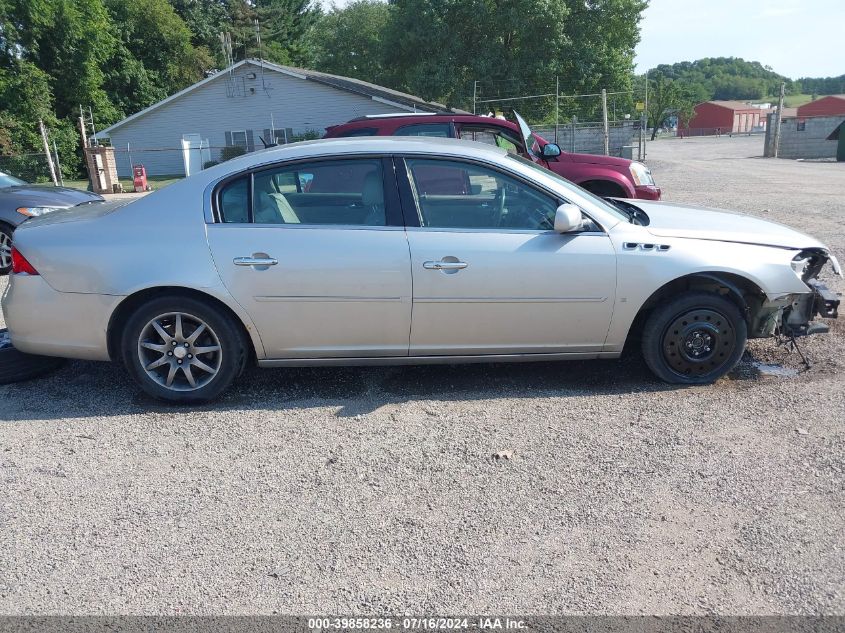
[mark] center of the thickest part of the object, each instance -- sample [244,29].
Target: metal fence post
[572,136]
[58,164]
[604,122]
[776,140]
[557,105]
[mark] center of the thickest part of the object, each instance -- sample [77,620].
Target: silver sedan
[389,251]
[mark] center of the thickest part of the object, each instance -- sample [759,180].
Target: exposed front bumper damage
[798,318]
[792,314]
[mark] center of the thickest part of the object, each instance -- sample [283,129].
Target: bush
[231,151]
[307,135]
[209,163]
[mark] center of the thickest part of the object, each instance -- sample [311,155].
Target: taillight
[20,265]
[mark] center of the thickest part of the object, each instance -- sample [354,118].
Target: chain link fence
[27,167]
[608,121]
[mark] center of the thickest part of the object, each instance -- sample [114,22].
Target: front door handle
[255,261]
[445,265]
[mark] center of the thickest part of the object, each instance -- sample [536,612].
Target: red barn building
[724,117]
[832,105]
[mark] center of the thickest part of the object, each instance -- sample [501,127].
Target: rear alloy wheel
[5,249]
[694,339]
[182,350]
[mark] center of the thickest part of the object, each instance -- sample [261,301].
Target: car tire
[182,349]
[5,248]
[694,339]
[16,366]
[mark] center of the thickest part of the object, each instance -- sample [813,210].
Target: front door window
[456,194]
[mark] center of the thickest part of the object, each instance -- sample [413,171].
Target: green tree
[349,41]
[669,97]
[438,48]
[70,41]
[285,25]
[154,35]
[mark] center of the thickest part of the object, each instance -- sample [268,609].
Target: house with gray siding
[248,102]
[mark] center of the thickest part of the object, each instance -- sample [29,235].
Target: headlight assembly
[640,174]
[36,211]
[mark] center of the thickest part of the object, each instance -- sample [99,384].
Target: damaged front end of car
[793,315]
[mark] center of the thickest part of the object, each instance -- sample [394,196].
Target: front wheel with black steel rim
[693,339]
[182,349]
[5,249]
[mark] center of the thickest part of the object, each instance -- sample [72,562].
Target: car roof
[341,146]
[393,121]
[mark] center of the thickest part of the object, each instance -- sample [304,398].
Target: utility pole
[776,140]
[474,94]
[604,122]
[557,105]
[58,164]
[645,115]
[47,152]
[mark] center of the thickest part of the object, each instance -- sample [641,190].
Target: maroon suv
[603,175]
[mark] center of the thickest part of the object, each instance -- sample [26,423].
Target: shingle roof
[375,92]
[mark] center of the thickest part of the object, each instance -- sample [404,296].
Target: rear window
[234,202]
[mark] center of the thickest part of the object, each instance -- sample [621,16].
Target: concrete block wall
[811,142]
[589,139]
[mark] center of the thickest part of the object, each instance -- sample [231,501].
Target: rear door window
[436,130]
[339,192]
[361,131]
[492,136]
[234,201]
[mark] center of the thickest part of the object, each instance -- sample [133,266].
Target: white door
[492,277]
[192,153]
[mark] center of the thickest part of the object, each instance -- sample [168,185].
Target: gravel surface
[378,490]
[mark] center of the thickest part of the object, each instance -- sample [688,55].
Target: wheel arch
[613,187]
[125,308]
[741,291]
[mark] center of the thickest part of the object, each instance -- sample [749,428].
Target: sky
[797,38]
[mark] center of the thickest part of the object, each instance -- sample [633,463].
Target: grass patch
[791,101]
[156,182]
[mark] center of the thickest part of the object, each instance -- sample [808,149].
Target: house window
[239,138]
[802,125]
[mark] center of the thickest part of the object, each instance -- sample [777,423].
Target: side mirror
[550,150]
[567,218]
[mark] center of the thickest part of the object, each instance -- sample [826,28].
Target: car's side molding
[433,360]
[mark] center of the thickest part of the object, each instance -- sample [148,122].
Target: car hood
[595,159]
[75,214]
[685,221]
[46,196]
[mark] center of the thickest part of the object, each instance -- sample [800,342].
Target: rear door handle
[255,261]
[441,265]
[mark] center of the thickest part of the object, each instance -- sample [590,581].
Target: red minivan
[603,175]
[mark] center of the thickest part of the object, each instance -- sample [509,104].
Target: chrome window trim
[295,227]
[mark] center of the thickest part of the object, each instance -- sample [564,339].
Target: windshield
[603,204]
[10,181]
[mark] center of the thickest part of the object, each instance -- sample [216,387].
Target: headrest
[373,193]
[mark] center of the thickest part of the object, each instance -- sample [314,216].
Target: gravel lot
[376,490]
